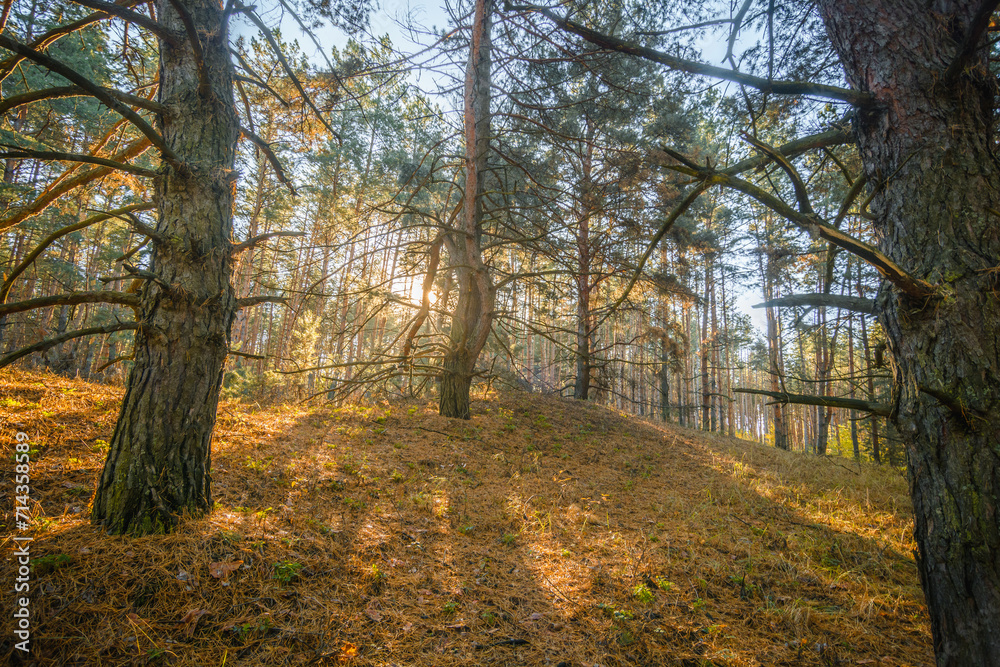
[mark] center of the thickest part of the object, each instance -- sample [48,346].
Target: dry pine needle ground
[541,532]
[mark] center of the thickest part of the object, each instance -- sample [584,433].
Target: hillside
[541,532]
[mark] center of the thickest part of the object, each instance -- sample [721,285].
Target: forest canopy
[772,220]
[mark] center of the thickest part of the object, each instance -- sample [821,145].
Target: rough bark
[159,459]
[926,144]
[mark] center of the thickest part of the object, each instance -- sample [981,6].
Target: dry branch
[826,401]
[41,346]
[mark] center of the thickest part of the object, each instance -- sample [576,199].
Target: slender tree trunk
[774,359]
[706,390]
[159,460]
[473,316]
[927,142]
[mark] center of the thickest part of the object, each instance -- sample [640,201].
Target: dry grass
[541,532]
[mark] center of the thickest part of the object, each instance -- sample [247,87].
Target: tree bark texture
[158,466]
[926,145]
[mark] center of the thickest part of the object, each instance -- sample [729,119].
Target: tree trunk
[159,460]
[473,316]
[927,144]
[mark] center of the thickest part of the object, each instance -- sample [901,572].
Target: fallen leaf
[222,570]
[373,614]
[347,652]
[190,620]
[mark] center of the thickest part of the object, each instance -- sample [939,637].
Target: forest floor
[541,532]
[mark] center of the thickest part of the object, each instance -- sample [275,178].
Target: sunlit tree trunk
[473,315]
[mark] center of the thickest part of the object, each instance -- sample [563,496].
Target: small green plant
[45,564]
[508,539]
[698,604]
[422,500]
[228,537]
[251,629]
[396,476]
[412,411]
[259,465]
[565,553]
[616,614]
[489,618]
[450,607]
[287,571]
[100,446]
[467,530]
[664,585]
[642,593]
[354,503]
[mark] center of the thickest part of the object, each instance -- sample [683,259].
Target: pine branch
[692,67]
[109,101]
[59,233]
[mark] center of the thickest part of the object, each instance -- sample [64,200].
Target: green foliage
[287,571]
[45,564]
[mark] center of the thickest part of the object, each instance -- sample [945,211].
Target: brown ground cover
[541,532]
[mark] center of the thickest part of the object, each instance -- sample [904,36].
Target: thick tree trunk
[927,144]
[473,316]
[159,460]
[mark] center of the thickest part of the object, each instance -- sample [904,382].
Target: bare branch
[279,171]
[250,243]
[27,153]
[71,299]
[855,304]
[834,137]
[54,192]
[137,18]
[254,300]
[75,91]
[41,346]
[8,64]
[237,353]
[269,36]
[801,194]
[826,401]
[425,303]
[908,284]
